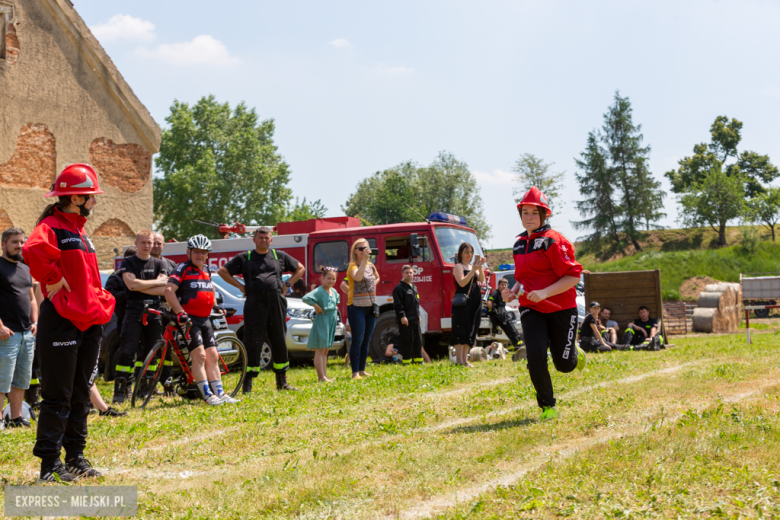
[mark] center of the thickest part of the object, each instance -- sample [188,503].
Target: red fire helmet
[76,179]
[534,197]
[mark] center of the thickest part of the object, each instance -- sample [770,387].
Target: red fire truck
[429,246]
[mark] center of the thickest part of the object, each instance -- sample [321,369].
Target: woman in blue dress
[325,300]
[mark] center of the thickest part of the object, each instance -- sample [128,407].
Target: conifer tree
[618,187]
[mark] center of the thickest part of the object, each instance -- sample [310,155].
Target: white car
[299,323]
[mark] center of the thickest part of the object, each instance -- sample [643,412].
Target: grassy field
[689,431]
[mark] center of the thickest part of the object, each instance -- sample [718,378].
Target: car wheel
[265,356]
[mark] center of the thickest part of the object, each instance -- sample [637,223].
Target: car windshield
[450,239]
[233,291]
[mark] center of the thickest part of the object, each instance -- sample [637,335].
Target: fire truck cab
[430,247]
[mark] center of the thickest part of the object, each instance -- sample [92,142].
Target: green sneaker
[581,361]
[548,413]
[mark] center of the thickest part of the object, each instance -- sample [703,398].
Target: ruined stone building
[63,101]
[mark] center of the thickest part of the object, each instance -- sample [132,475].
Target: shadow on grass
[693,241]
[495,427]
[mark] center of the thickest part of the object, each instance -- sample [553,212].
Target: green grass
[411,437]
[722,264]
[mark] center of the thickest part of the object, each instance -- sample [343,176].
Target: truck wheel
[384,329]
[762,313]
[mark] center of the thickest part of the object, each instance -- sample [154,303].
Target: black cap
[594,304]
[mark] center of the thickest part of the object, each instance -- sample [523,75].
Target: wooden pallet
[675,318]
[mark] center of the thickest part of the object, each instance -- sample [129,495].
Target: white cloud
[123,27]
[202,50]
[496,178]
[340,42]
[390,70]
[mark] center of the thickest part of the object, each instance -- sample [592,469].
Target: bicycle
[230,351]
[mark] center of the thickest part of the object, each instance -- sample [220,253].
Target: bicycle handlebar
[172,317]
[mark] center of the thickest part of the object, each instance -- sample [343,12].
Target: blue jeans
[361,321]
[16,357]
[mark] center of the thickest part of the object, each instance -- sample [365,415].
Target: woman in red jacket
[70,324]
[546,269]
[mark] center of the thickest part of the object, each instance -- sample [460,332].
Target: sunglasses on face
[363,248]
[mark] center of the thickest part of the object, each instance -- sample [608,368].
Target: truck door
[395,252]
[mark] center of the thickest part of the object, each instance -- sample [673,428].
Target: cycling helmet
[199,242]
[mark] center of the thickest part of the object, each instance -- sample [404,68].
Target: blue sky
[356,87]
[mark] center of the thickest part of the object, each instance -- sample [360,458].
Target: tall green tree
[533,171]
[218,164]
[409,191]
[713,200]
[599,207]
[751,171]
[620,194]
[765,209]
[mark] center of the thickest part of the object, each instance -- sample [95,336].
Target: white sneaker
[213,400]
[225,398]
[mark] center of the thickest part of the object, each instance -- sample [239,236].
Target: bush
[749,240]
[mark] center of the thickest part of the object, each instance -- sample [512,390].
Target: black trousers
[265,317]
[67,357]
[136,340]
[411,342]
[505,322]
[556,330]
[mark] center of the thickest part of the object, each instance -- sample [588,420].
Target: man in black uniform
[265,309]
[642,333]
[158,244]
[116,286]
[145,279]
[406,304]
[500,318]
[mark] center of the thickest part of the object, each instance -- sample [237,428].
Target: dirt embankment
[496,258]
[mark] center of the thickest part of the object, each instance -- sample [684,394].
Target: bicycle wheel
[232,364]
[150,374]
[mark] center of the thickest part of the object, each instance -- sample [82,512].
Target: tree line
[221,164]
[715,185]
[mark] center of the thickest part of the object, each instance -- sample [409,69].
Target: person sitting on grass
[609,328]
[393,356]
[642,333]
[590,336]
[325,300]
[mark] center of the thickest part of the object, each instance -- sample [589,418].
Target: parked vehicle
[429,246]
[299,323]
[760,290]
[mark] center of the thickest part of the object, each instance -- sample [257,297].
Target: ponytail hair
[62,203]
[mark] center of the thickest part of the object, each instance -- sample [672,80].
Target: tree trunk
[636,244]
[722,234]
[773,232]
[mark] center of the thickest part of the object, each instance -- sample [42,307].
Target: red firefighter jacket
[542,259]
[57,248]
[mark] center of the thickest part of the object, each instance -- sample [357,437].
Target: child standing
[325,300]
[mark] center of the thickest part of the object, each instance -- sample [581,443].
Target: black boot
[120,390]
[281,382]
[247,385]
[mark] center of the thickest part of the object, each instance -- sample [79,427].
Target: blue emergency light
[506,267]
[438,216]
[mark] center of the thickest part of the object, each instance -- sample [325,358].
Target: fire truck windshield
[450,239]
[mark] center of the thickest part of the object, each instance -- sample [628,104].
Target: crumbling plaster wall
[63,84]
